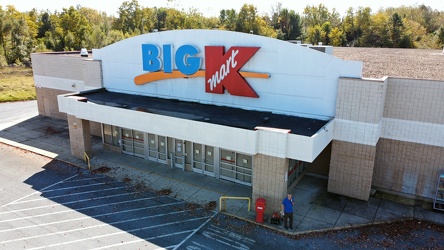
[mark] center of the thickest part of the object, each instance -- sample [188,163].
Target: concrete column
[359,111]
[79,136]
[351,169]
[269,181]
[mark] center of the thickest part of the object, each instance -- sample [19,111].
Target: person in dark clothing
[287,210]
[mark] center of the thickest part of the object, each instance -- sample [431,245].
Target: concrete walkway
[315,208]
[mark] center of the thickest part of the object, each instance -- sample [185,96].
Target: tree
[315,34]
[326,29]
[295,27]
[130,17]
[337,37]
[174,19]
[348,25]
[316,15]
[288,24]
[396,29]
[377,34]
[228,19]
[440,36]
[195,20]
[75,28]
[5,27]
[45,24]
[16,37]
[246,21]
[161,14]
[362,24]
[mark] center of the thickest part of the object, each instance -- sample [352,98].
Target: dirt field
[412,63]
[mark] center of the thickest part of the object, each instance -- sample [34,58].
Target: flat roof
[226,116]
[395,62]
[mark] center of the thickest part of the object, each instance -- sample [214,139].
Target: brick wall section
[47,102]
[60,66]
[79,137]
[351,165]
[269,182]
[415,100]
[351,169]
[92,73]
[360,100]
[408,168]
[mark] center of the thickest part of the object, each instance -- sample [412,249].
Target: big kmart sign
[222,69]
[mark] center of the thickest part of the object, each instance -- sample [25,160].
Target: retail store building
[249,109]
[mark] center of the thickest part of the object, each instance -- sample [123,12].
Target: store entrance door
[157,148]
[203,159]
[179,153]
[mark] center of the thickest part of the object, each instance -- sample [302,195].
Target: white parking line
[80,186]
[86,179]
[145,239]
[85,228]
[120,232]
[82,218]
[197,229]
[79,209]
[13,202]
[57,204]
[70,210]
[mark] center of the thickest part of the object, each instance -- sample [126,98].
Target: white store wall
[302,81]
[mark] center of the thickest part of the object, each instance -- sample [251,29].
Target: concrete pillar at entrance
[269,181]
[79,136]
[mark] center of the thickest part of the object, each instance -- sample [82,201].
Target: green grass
[16,84]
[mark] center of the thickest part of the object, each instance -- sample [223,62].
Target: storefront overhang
[247,131]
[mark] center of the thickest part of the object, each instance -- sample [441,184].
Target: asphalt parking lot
[49,204]
[92,211]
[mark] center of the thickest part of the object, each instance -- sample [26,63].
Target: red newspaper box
[260,209]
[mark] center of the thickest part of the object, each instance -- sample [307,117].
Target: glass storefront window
[236,166]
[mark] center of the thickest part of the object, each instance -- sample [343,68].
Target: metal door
[179,153]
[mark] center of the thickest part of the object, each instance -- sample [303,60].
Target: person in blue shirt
[287,210]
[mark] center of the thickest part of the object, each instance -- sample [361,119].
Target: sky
[213,7]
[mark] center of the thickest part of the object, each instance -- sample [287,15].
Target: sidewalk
[315,208]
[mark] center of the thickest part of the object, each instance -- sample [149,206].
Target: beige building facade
[389,134]
[385,134]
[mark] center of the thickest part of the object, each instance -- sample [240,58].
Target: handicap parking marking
[216,236]
[147,239]
[228,238]
[195,231]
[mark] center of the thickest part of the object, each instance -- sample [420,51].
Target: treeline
[22,33]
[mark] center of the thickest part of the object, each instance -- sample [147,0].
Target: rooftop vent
[84,52]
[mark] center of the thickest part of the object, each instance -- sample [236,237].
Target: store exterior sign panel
[222,69]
